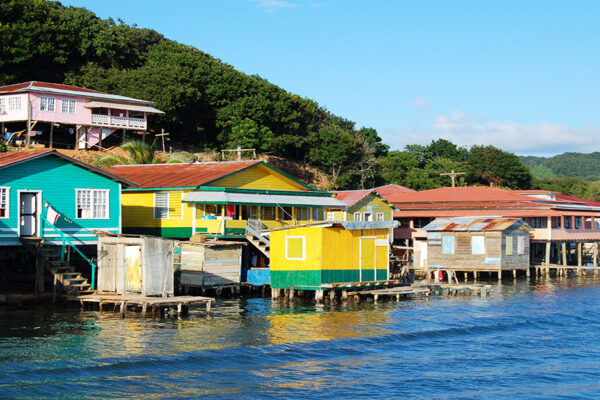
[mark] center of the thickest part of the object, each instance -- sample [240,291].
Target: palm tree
[138,152]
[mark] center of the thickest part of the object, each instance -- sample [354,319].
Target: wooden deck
[397,292]
[458,290]
[155,303]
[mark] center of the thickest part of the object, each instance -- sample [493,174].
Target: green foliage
[182,157]
[138,152]
[567,165]
[490,165]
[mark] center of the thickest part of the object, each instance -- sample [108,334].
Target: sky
[523,75]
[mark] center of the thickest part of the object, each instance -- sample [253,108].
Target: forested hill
[207,103]
[585,166]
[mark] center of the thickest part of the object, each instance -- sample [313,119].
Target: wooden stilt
[595,246]
[292,292]
[179,309]
[579,254]
[527,272]
[332,294]
[54,288]
[275,293]
[475,275]
[123,309]
[375,298]
[208,307]
[318,295]
[514,274]
[344,294]
[466,277]
[499,275]
[547,258]
[144,307]
[564,253]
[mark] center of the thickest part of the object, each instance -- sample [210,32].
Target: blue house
[49,200]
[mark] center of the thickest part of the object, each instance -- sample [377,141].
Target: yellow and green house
[216,199]
[315,257]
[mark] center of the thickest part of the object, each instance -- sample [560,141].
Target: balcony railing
[118,122]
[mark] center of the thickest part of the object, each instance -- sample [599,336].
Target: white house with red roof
[68,116]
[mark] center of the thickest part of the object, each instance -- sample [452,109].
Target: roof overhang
[129,107]
[302,199]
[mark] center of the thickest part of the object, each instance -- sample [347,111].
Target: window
[4,202]
[577,222]
[295,248]
[14,103]
[330,216]
[380,216]
[285,213]
[69,106]
[302,213]
[368,216]
[167,205]
[477,245]
[252,212]
[47,103]
[521,245]
[568,222]
[447,244]
[317,214]
[509,245]
[267,213]
[92,203]
[357,217]
[2,105]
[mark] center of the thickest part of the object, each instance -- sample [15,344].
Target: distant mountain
[567,165]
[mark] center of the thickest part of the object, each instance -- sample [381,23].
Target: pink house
[68,116]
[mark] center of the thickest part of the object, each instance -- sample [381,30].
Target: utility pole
[452,176]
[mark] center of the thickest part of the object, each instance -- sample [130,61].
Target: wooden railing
[255,228]
[114,121]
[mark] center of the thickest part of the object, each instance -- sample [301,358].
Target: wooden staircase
[254,235]
[72,282]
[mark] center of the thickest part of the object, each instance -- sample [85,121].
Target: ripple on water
[525,341]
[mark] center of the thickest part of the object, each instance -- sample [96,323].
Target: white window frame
[2,105]
[69,106]
[357,217]
[380,216]
[330,216]
[169,206]
[303,248]
[92,205]
[7,189]
[368,216]
[14,103]
[46,102]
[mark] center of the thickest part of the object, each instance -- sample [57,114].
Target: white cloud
[468,130]
[421,101]
[274,5]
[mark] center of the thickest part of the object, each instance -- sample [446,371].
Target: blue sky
[520,75]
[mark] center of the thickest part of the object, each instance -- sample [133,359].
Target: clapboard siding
[258,177]
[138,212]
[58,179]
[210,266]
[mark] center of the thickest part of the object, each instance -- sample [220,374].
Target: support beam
[51,135]
[564,253]
[548,246]
[579,254]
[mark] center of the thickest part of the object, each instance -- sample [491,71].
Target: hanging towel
[230,210]
[51,214]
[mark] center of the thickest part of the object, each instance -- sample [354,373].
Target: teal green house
[45,186]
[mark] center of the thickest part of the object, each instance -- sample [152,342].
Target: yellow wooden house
[216,199]
[316,257]
[363,205]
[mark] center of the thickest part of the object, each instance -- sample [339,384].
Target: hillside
[585,166]
[208,104]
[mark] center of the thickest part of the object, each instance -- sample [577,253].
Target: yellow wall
[258,177]
[326,248]
[373,204]
[138,210]
[313,248]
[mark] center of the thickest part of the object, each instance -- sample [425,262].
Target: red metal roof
[458,194]
[26,85]
[517,213]
[539,191]
[392,189]
[178,175]
[13,157]
[351,197]
[572,199]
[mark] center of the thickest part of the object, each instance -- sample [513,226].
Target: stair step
[74,281]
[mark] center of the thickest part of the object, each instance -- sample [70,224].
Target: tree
[492,166]
[138,152]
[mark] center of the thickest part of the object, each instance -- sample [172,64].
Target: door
[133,257]
[367,259]
[28,206]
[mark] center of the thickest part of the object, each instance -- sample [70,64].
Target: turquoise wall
[57,179]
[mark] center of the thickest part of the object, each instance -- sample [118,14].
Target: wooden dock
[458,290]
[154,303]
[397,292]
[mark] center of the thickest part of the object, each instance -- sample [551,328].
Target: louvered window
[161,205]
[4,202]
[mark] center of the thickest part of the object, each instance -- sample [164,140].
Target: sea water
[528,339]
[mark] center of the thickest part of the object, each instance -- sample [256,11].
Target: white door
[29,214]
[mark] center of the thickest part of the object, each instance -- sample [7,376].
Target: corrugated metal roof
[218,197]
[351,197]
[355,225]
[391,189]
[458,194]
[474,224]
[11,158]
[179,175]
[45,87]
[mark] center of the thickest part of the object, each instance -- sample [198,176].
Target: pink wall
[82,116]
[14,115]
